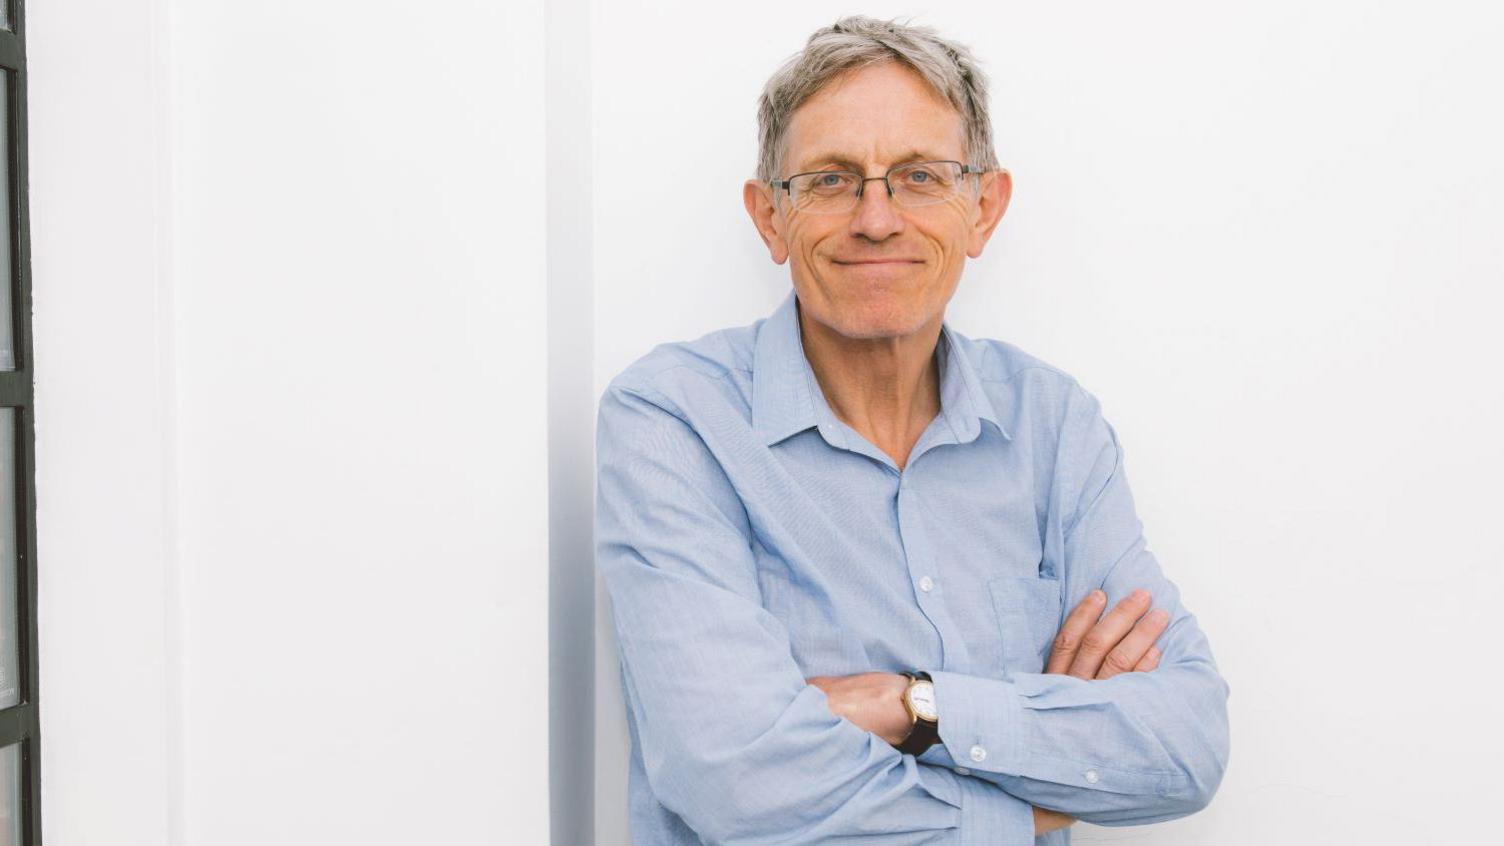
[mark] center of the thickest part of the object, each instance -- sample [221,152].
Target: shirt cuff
[989,816]
[983,722]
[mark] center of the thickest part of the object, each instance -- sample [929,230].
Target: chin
[874,317]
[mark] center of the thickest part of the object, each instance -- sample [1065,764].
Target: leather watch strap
[925,733]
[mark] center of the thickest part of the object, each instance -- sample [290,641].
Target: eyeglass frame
[786,184]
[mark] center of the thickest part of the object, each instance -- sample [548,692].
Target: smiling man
[841,541]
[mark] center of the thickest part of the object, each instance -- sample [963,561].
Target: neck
[887,389]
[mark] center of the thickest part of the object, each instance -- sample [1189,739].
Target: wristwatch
[919,701]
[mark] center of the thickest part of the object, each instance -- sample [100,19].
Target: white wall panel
[291,298]
[107,613]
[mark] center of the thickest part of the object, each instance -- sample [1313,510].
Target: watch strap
[925,733]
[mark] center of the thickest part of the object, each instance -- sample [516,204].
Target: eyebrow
[832,158]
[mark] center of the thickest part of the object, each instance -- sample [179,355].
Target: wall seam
[571,415]
[174,604]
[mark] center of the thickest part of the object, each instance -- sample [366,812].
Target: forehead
[876,115]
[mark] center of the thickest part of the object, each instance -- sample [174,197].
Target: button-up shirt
[749,539]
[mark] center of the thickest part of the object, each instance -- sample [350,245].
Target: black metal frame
[19,724]
[787,185]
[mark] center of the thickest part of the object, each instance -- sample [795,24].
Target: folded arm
[1139,747]
[732,738]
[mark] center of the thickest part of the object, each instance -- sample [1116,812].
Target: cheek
[804,239]
[950,233]
[961,210]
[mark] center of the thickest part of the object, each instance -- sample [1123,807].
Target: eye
[921,177]
[826,184]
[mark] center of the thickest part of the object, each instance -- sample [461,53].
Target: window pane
[10,678]
[7,348]
[5,13]
[10,795]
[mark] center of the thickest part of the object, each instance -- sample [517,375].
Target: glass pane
[7,348]
[10,663]
[5,13]
[10,795]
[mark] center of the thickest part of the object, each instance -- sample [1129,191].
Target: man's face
[880,270]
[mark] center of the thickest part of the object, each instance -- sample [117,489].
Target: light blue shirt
[749,540]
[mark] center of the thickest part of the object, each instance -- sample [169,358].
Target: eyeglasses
[909,185]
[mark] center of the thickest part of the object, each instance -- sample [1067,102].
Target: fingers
[1149,661]
[1075,627]
[1107,633]
[1132,649]
[1123,641]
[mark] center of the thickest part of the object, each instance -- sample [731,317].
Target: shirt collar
[786,398]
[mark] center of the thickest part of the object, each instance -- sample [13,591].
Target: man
[840,541]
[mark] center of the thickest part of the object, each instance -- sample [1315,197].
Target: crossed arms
[746,750]
[1089,645]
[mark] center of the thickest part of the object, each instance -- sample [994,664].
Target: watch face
[922,700]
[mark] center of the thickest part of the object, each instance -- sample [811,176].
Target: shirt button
[1091,776]
[978,754]
[962,771]
[926,584]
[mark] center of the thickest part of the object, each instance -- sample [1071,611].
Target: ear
[992,201]
[758,198]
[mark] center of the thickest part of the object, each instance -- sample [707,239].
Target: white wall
[1266,237]
[289,296]
[107,611]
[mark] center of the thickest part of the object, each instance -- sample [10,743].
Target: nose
[876,217]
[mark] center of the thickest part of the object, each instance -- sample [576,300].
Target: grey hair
[855,42]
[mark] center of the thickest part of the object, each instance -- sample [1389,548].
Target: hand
[874,701]
[1088,648]
[1047,821]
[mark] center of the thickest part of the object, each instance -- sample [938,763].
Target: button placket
[919,560]
[909,530]
[912,536]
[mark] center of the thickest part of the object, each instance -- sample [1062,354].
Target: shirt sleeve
[1137,748]
[732,739]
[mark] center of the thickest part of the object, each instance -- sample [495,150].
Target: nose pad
[861,192]
[885,217]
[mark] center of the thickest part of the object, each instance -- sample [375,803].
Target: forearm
[1139,747]
[1134,749]
[809,777]
[989,814]
[1004,818]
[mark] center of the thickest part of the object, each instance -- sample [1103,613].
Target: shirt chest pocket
[1028,617]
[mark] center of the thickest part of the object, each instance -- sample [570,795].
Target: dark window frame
[19,723]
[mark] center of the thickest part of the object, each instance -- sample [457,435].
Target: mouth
[868,262]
